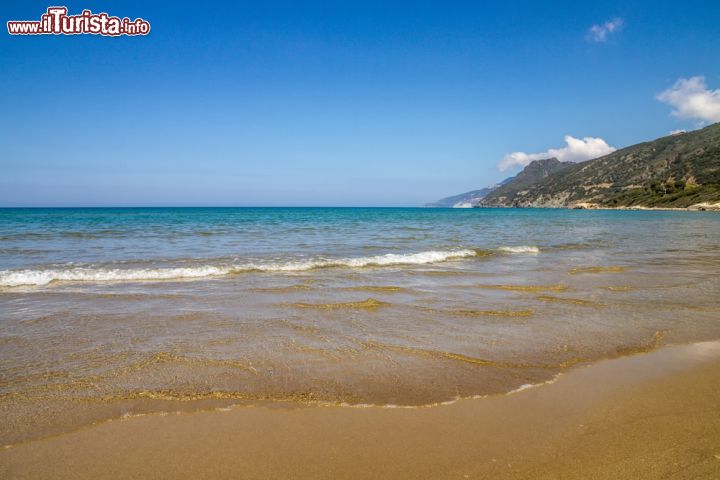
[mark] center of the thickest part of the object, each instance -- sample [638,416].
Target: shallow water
[110,311]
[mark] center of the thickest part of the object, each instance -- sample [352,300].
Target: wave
[520,249]
[39,277]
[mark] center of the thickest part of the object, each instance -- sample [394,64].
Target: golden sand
[639,417]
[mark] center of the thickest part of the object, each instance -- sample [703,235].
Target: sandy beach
[652,415]
[364,343]
[360,241]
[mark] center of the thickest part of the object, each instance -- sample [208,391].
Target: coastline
[698,207]
[640,416]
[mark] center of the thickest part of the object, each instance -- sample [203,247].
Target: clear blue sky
[332,103]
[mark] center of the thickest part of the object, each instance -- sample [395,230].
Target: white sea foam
[13,278]
[521,249]
[522,387]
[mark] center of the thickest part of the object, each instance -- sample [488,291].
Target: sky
[339,103]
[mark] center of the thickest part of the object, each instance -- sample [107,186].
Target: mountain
[675,171]
[534,172]
[466,199]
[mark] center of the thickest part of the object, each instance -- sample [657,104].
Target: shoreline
[620,418]
[698,207]
[160,404]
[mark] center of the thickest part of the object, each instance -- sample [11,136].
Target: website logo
[56,21]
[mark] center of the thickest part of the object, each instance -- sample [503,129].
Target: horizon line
[7,207]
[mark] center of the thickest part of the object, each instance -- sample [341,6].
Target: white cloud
[678,131]
[599,33]
[692,99]
[577,150]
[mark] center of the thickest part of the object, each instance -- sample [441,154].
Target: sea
[107,313]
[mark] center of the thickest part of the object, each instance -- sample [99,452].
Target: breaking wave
[38,277]
[520,249]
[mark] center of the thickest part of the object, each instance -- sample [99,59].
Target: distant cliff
[467,199]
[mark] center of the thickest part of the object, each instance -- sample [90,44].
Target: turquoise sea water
[123,238]
[106,312]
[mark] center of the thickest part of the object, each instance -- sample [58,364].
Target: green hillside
[674,171]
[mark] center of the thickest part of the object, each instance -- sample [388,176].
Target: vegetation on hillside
[673,171]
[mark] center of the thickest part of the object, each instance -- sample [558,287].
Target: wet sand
[655,415]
